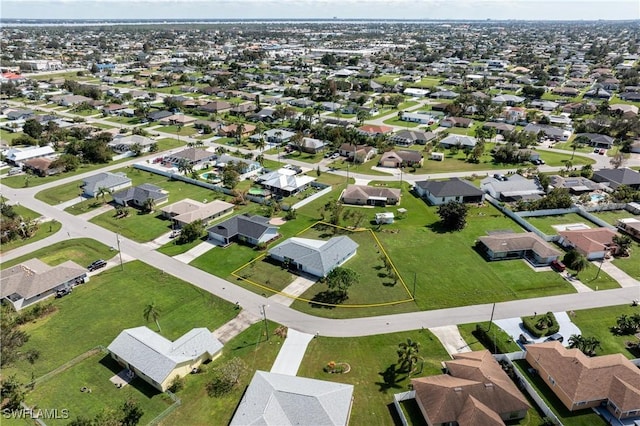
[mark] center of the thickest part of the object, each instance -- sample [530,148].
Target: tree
[225,378]
[577,143]
[131,413]
[149,205]
[32,128]
[618,160]
[340,279]
[102,194]
[184,166]
[191,232]
[408,355]
[240,128]
[587,345]
[12,393]
[151,311]
[624,244]
[230,177]
[453,215]
[575,261]
[362,115]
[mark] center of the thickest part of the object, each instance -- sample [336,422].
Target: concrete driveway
[513,327]
[291,353]
[450,337]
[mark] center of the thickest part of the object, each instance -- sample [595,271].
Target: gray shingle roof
[449,188]
[618,176]
[141,193]
[35,277]
[156,356]
[281,400]
[107,180]
[315,254]
[244,225]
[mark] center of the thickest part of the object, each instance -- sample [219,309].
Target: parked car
[335,155]
[63,292]
[558,266]
[596,150]
[500,176]
[538,162]
[556,337]
[602,151]
[100,263]
[524,340]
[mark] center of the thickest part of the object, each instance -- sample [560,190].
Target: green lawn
[466,331]
[426,82]
[567,146]
[88,205]
[166,144]
[124,120]
[81,250]
[8,137]
[630,264]
[407,104]
[254,350]
[369,358]
[20,181]
[63,390]
[612,216]
[596,322]
[382,113]
[96,312]
[559,159]
[44,230]
[342,164]
[172,248]
[545,223]
[184,131]
[396,121]
[584,417]
[61,193]
[304,156]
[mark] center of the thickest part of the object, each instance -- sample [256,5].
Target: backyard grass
[63,390]
[546,223]
[166,144]
[373,362]
[612,216]
[8,137]
[96,312]
[254,350]
[596,323]
[577,418]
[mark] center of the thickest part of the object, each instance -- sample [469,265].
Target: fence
[509,358]
[70,364]
[519,220]
[176,403]
[315,196]
[397,399]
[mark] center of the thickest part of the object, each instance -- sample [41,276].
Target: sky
[301,9]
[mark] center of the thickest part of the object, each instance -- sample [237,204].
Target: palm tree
[408,355]
[579,263]
[149,205]
[178,130]
[308,114]
[102,194]
[240,128]
[185,167]
[624,244]
[151,311]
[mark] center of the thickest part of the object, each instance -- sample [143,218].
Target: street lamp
[264,316]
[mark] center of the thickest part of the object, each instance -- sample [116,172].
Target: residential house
[439,192]
[514,115]
[110,181]
[362,195]
[513,245]
[500,128]
[265,114]
[253,230]
[177,120]
[515,187]
[158,115]
[373,130]
[20,114]
[231,131]
[597,140]
[243,109]
[188,211]
[411,137]
[474,391]
[17,156]
[418,117]
[246,168]
[575,185]
[273,399]
[459,141]
[359,153]
[618,177]
[544,105]
[583,382]
[70,100]
[629,225]
[284,182]
[594,243]
[548,131]
[444,94]
[215,107]
[32,281]
[309,145]
[42,167]
[157,360]
[456,122]
[314,257]
[195,157]
[138,195]
[397,159]
[276,136]
[510,100]
[123,144]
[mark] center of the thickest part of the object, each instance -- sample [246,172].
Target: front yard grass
[584,417]
[396,121]
[365,168]
[63,390]
[596,323]
[45,229]
[631,264]
[7,137]
[81,250]
[96,312]
[373,360]
[254,350]
[466,331]
[183,131]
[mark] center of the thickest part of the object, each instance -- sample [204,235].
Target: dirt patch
[277,221]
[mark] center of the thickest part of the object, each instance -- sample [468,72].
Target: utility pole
[264,316]
[493,309]
[414,286]
[119,252]
[599,268]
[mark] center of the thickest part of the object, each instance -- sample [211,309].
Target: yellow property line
[290,296]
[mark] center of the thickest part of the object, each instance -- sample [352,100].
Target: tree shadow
[390,379]
[438,228]
[326,298]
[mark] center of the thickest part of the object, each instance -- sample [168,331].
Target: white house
[18,156]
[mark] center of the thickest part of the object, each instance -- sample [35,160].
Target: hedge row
[496,341]
[541,325]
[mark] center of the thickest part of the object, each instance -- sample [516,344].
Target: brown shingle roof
[363,192]
[589,240]
[500,243]
[581,378]
[475,388]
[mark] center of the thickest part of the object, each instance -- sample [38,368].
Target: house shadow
[140,385]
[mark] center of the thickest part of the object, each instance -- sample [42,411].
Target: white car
[334,156]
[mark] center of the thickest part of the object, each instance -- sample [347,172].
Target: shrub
[541,325]
[177,384]
[496,343]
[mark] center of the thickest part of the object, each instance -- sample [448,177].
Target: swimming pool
[595,198]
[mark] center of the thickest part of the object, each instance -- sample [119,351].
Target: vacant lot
[81,250]
[546,223]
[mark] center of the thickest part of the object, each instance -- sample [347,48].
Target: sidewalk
[295,289]
[96,212]
[450,337]
[576,283]
[291,353]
